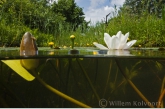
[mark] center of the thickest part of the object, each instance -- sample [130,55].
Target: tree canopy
[139,6]
[41,14]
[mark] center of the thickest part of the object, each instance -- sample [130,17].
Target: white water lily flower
[118,41]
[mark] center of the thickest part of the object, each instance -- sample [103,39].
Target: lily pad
[17,67]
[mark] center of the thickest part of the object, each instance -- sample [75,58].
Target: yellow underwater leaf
[17,67]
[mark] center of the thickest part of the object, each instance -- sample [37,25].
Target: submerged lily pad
[17,67]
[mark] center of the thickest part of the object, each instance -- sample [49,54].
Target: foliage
[70,11]
[50,20]
[147,28]
[55,22]
[140,6]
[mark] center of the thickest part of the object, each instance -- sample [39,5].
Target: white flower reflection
[118,41]
[113,52]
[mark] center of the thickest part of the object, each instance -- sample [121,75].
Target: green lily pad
[17,67]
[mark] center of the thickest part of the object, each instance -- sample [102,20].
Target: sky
[96,10]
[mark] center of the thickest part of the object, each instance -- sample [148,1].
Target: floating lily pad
[17,67]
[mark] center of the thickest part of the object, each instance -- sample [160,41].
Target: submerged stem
[3,103]
[108,76]
[162,92]
[133,86]
[59,93]
[87,77]
[160,99]
[12,93]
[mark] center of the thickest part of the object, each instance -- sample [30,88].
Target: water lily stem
[72,43]
[88,79]
[108,76]
[12,93]
[162,93]
[3,103]
[133,86]
[160,99]
[59,93]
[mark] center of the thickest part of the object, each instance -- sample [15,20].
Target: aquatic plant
[51,44]
[118,41]
[72,37]
[28,47]
[24,66]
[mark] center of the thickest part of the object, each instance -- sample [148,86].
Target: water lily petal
[123,40]
[107,40]
[100,46]
[119,34]
[129,44]
[115,42]
[118,41]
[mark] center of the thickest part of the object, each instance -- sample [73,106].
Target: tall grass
[147,29]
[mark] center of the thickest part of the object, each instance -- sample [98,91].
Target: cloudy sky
[96,10]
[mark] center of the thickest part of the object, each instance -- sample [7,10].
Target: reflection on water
[113,52]
[85,52]
[97,82]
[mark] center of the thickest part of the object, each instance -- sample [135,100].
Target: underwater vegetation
[122,82]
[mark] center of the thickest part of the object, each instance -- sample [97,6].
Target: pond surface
[97,78]
[44,52]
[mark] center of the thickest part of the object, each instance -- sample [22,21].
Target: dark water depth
[94,77]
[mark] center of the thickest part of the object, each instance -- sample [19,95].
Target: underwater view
[88,78]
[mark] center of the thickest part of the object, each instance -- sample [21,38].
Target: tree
[138,7]
[56,19]
[70,11]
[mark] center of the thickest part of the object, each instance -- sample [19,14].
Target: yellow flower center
[72,36]
[51,43]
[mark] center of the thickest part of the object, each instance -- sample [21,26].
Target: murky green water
[94,77]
